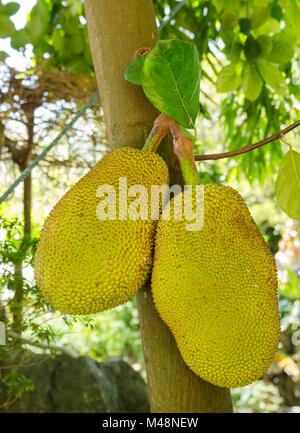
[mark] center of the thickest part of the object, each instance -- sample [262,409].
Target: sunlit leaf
[288,184]
[270,27]
[235,51]
[259,16]
[58,39]
[171,77]
[282,48]
[292,11]
[228,79]
[251,82]
[11,8]
[7,28]
[265,43]
[272,76]
[39,19]
[20,39]
[134,71]
[261,2]
[229,20]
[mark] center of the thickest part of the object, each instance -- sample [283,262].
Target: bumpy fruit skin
[216,289]
[84,265]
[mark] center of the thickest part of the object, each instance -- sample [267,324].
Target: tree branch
[248,148]
[61,349]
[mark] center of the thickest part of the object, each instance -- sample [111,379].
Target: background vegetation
[249,52]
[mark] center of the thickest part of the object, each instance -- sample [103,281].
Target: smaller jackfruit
[216,289]
[84,264]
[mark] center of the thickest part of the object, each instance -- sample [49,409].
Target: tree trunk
[116,31]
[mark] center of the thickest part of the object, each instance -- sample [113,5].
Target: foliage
[57,31]
[257,397]
[249,51]
[288,184]
[114,333]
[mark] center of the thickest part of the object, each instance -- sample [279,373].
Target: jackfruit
[85,265]
[216,289]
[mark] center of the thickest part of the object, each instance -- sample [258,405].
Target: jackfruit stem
[184,150]
[158,132]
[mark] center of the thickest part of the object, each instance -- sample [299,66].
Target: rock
[65,384]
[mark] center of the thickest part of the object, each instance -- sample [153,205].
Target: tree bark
[116,31]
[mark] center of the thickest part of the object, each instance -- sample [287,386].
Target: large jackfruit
[85,265]
[216,289]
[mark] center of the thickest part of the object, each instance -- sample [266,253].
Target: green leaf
[226,4]
[20,39]
[282,48]
[261,2]
[245,26]
[272,76]
[288,184]
[251,82]
[228,79]
[76,43]
[270,27]
[231,4]
[11,8]
[292,11]
[134,71]
[251,49]
[291,289]
[58,39]
[7,28]
[171,80]
[229,20]
[39,19]
[235,51]
[3,54]
[265,43]
[259,16]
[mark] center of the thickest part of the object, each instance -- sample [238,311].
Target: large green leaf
[265,43]
[251,82]
[292,11]
[282,47]
[228,79]
[291,289]
[39,19]
[7,28]
[171,80]
[272,76]
[288,185]
[11,8]
[134,71]
[230,19]
[261,2]
[259,16]
[20,39]
[58,39]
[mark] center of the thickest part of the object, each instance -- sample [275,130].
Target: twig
[248,148]
[65,350]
